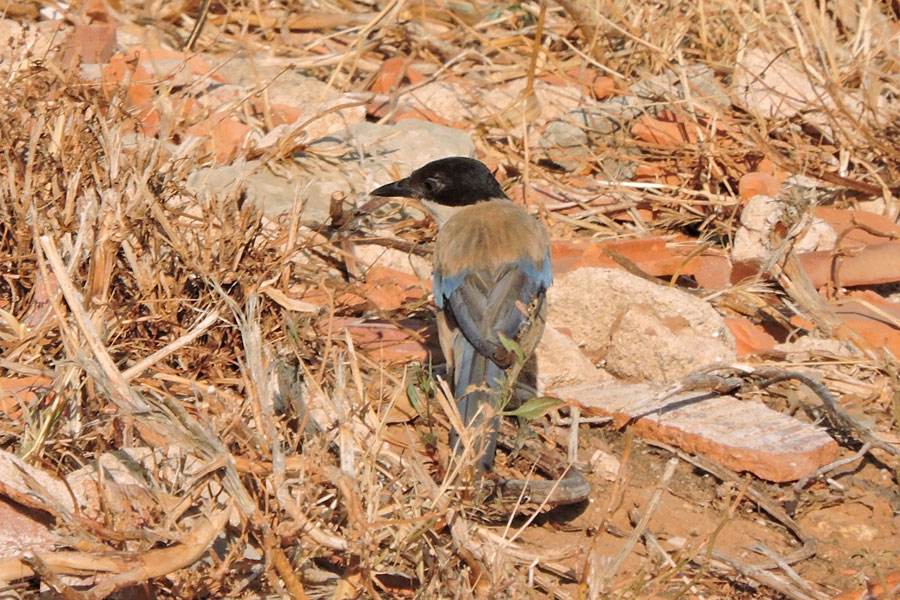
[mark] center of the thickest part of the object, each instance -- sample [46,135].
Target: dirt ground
[852,515]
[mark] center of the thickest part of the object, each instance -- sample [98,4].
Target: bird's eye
[432,184]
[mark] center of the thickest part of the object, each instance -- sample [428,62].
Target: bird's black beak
[401,189]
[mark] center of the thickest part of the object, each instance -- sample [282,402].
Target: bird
[491,272]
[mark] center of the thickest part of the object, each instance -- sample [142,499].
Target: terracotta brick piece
[742,435]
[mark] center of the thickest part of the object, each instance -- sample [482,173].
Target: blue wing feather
[484,303]
[445,285]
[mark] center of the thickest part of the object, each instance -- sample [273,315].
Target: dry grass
[106,260]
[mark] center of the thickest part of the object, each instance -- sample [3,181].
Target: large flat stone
[742,435]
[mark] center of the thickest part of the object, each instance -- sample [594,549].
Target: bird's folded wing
[502,300]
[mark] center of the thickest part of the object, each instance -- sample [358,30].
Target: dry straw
[263,454]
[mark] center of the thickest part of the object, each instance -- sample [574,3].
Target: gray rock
[580,133]
[609,126]
[703,87]
[366,155]
[283,83]
[352,162]
[274,193]
[563,135]
[706,87]
[565,143]
[611,117]
[410,143]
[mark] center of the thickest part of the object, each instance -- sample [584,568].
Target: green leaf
[412,393]
[512,346]
[535,408]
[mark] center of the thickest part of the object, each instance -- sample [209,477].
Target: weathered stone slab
[742,435]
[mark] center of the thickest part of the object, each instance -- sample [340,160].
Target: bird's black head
[454,181]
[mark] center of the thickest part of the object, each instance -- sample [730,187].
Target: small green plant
[535,407]
[422,391]
[525,18]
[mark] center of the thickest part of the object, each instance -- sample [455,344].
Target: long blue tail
[473,369]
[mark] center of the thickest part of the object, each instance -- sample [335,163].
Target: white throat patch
[440,212]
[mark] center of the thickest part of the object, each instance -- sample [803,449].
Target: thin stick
[575,413]
[652,507]
[198,26]
[118,384]
[786,568]
[198,330]
[798,487]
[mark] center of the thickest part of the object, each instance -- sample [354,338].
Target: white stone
[760,217]
[560,362]
[641,330]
